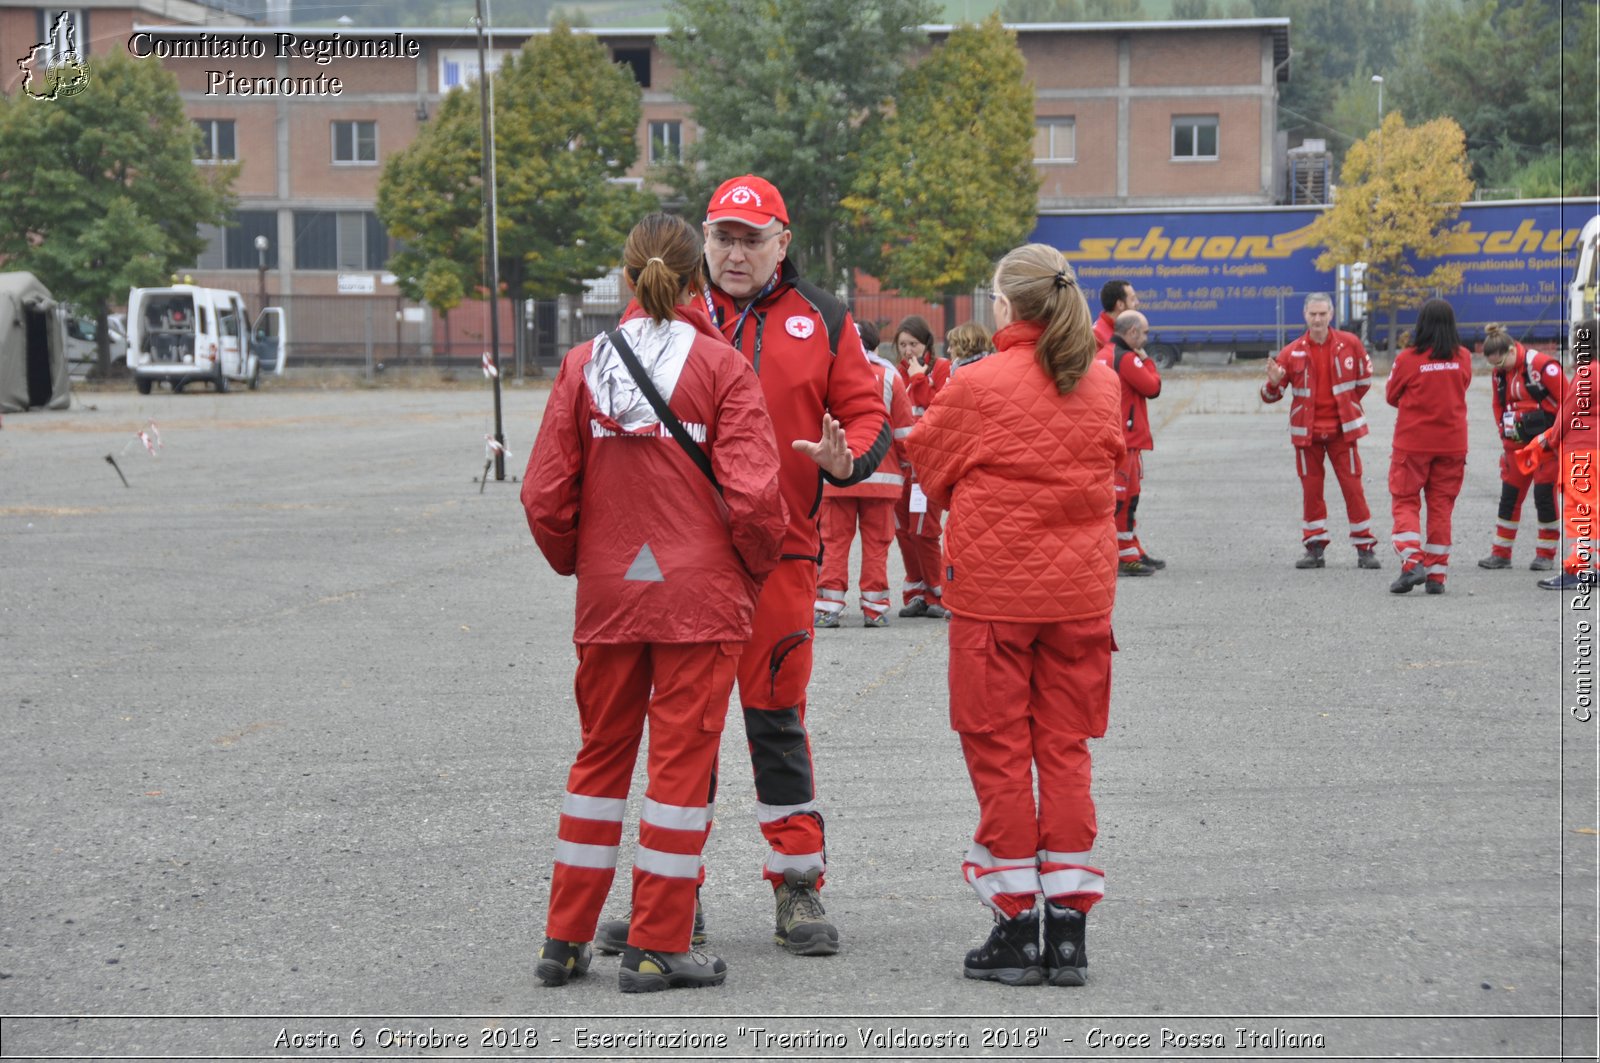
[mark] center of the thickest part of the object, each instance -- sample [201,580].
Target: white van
[185,334]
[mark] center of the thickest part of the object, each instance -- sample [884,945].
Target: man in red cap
[816,380]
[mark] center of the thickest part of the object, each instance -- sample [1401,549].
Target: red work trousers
[1413,479]
[1025,699]
[1129,479]
[1579,498]
[773,673]
[1342,454]
[920,551]
[682,689]
[840,517]
[1514,491]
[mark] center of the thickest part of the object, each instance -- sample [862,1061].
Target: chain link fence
[376,332]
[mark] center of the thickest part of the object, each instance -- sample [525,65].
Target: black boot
[1066,957]
[1011,955]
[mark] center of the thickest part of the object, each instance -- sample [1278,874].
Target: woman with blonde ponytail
[1023,447]
[670,556]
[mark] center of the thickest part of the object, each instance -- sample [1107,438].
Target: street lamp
[1377,79]
[261,269]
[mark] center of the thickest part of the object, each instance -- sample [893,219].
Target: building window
[62,38]
[216,140]
[355,143]
[666,141]
[1194,136]
[234,246]
[636,60]
[339,239]
[459,66]
[1055,140]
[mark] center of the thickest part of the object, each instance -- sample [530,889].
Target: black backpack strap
[1536,388]
[658,404]
[827,306]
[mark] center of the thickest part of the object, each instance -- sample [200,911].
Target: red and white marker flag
[488,366]
[492,446]
[150,436]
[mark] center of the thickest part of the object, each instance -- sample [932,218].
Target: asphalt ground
[287,721]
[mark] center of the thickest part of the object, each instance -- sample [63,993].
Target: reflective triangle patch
[644,568]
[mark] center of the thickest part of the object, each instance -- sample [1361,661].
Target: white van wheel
[220,383]
[143,384]
[255,375]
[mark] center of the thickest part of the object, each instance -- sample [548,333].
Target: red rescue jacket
[1105,326]
[1352,376]
[1027,475]
[923,388]
[613,498]
[1141,382]
[1432,399]
[889,480]
[1533,381]
[1574,430]
[807,353]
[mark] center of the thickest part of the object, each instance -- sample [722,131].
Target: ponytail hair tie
[655,258]
[1061,278]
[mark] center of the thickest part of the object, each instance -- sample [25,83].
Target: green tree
[1399,193]
[791,91]
[1486,63]
[99,192]
[949,185]
[565,124]
[430,200]
[1076,10]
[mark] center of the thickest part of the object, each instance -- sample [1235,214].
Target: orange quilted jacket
[1027,475]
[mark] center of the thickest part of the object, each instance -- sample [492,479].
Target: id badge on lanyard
[738,326]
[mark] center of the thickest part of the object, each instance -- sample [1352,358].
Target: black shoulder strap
[658,404]
[827,305]
[1116,358]
[1536,388]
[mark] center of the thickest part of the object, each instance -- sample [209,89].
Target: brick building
[1138,114]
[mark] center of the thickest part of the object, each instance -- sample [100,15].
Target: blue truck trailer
[1233,280]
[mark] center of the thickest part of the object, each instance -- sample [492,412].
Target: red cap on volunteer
[748,200]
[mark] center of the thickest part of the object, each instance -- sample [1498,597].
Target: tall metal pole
[491,247]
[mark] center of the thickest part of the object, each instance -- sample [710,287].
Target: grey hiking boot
[803,926]
[611,937]
[562,960]
[1313,558]
[1494,561]
[1010,956]
[1368,558]
[1541,564]
[648,971]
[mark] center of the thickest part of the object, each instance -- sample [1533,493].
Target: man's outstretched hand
[831,451]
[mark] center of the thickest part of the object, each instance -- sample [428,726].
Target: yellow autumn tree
[1395,207]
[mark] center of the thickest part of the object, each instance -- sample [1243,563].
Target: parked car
[83,353]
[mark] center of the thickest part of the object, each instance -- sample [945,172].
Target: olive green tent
[33,346]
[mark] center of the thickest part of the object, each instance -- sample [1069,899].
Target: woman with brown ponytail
[1023,448]
[670,558]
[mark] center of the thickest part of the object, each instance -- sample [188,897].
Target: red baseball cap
[748,200]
